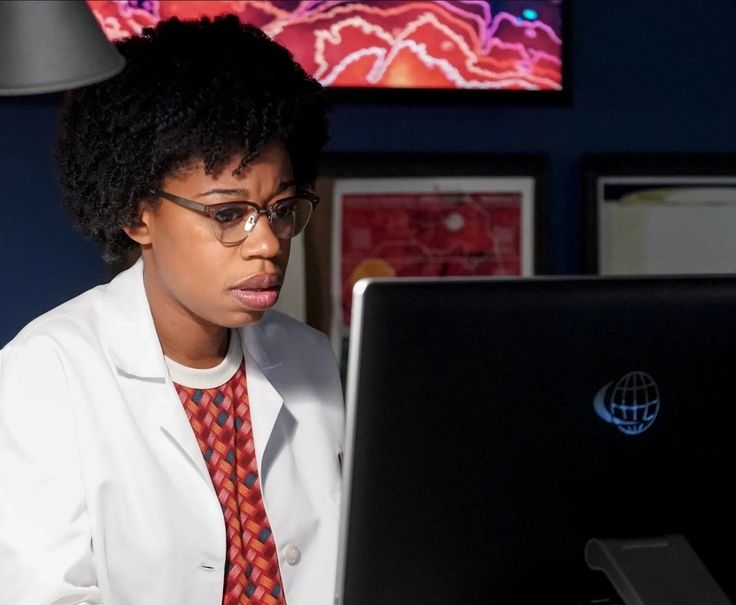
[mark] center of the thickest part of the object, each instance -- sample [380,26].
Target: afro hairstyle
[191,91]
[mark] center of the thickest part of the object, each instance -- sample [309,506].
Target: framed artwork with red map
[397,50]
[423,215]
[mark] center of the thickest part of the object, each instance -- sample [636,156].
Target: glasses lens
[232,222]
[288,218]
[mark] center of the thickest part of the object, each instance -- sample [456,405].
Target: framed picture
[419,215]
[489,51]
[660,214]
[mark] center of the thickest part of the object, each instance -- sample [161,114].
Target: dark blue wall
[648,75]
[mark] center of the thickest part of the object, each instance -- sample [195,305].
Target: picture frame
[660,213]
[489,52]
[438,183]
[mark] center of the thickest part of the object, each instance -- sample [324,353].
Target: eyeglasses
[233,222]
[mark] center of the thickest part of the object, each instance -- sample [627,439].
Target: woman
[165,439]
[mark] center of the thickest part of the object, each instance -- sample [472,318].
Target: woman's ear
[140,231]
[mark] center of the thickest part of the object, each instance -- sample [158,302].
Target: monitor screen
[496,425]
[501,46]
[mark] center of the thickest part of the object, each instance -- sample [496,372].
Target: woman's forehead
[270,168]
[234,161]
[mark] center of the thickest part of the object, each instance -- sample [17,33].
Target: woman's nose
[261,241]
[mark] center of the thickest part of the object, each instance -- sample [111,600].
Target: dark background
[647,76]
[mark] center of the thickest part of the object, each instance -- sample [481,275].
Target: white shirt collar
[209,378]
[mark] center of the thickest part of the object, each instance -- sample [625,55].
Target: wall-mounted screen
[376,49]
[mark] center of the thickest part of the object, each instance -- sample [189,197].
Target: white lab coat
[104,493]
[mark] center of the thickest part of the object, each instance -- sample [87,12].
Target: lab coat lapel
[136,351]
[175,425]
[266,403]
[289,509]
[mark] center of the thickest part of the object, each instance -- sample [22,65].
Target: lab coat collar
[129,328]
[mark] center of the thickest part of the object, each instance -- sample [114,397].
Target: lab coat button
[292,554]
[207,566]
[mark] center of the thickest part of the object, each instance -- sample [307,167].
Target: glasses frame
[210,210]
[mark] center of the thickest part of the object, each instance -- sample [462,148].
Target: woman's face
[188,272]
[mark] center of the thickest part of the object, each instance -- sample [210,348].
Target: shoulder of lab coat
[44,526]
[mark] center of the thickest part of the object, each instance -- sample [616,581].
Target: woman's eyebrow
[221,191]
[243,193]
[284,185]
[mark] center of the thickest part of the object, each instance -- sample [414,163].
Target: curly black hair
[191,91]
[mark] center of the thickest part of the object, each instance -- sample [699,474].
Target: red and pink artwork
[463,44]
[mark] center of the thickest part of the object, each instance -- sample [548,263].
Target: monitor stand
[662,570]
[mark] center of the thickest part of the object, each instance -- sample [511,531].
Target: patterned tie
[220,418]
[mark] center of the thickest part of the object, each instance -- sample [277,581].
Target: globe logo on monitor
[631,404]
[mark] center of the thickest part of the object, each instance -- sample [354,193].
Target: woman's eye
[283,210]
[229,215]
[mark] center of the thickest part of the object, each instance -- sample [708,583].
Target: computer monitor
[496,425]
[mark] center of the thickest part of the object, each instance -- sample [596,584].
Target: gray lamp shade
[48,46]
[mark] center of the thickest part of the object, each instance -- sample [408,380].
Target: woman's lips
[260,281]
[259,291]
[257,299]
